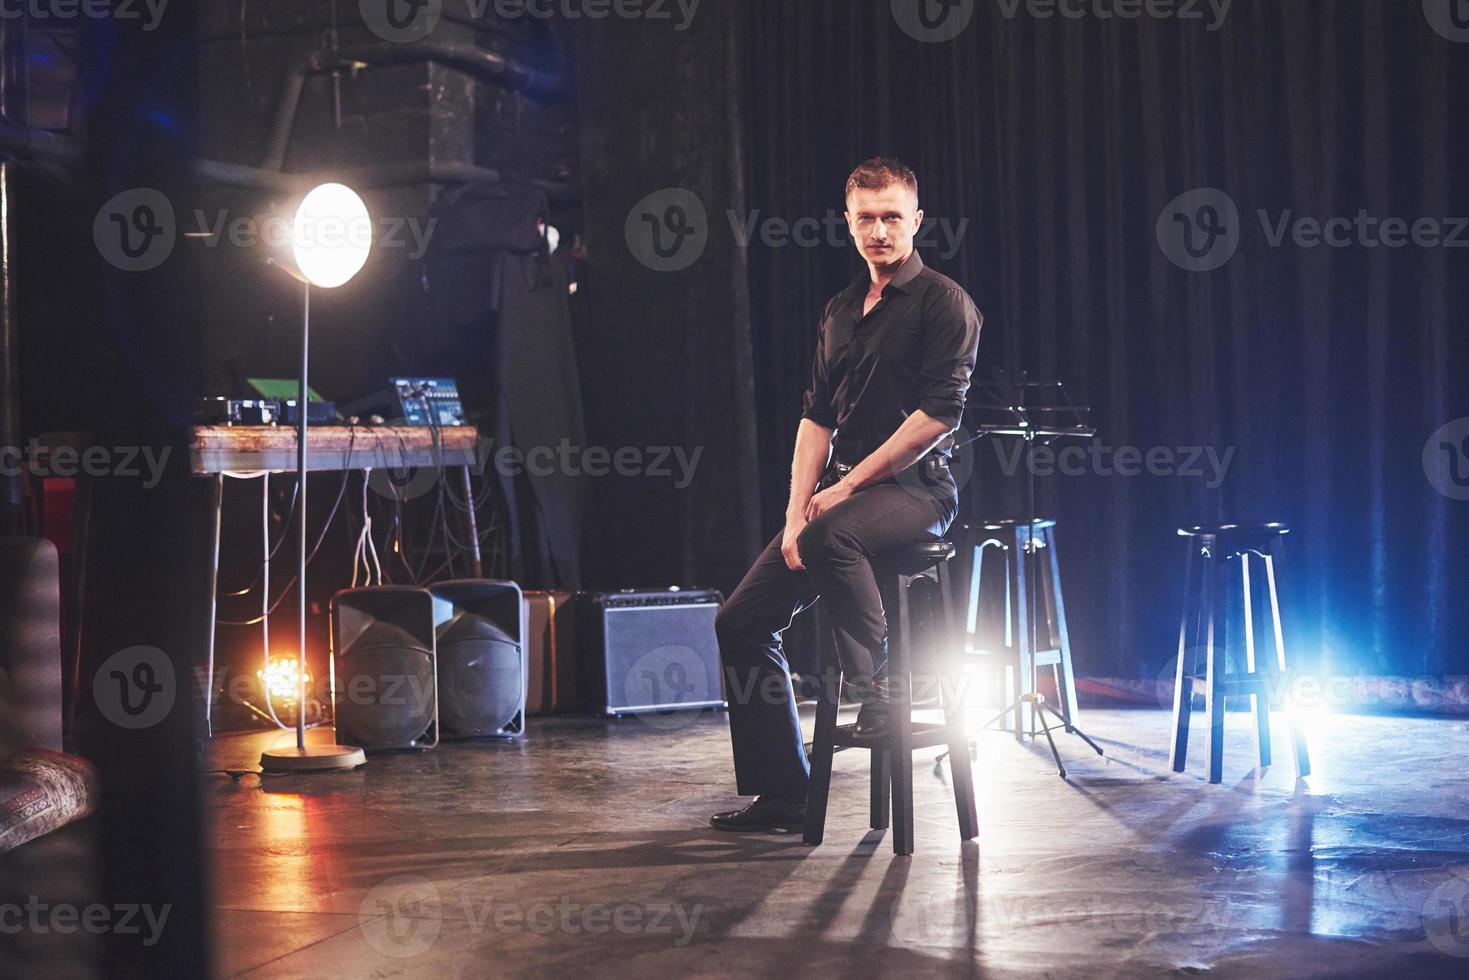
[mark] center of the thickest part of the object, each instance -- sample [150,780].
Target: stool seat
[916,557]
[1006,524]
[1267,529]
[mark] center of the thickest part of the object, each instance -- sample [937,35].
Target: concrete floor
[584,851]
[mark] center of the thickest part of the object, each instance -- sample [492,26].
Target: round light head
[331,235]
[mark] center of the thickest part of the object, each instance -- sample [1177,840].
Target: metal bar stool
[892,756]
[1205,615]
[1017,658]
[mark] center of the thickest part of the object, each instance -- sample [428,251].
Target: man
[870,475]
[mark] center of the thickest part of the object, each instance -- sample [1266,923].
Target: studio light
[331,237]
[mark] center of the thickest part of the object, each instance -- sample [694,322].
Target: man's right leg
[769,754]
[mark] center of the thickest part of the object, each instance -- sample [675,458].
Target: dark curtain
[664,353]
[1324,369]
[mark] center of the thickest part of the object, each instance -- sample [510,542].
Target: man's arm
[915,437]
[813,450]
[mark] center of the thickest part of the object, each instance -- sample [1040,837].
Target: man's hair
[880,173]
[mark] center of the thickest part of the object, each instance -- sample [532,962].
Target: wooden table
[217,451]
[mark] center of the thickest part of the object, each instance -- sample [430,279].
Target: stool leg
[1214,593]
[902,722]
[1297,734]
[1066,683]
[822,748]
[1261,698]
[961,772]
[882,801]
[1024,654]
[1183,690]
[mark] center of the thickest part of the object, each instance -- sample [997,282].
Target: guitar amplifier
[647,651]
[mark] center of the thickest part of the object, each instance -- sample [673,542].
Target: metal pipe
[488,64]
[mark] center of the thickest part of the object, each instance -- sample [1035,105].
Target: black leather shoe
[766,813]
[876,696]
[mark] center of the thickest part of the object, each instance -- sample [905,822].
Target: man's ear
[917,220]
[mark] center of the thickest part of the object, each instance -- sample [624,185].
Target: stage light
[281,682]
[331,237]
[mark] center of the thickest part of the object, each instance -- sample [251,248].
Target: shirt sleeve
[951,326]
[816,405]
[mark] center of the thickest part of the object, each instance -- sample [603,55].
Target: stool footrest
[1256,683]
[925,735]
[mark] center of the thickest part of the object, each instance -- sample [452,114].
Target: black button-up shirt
[915,350]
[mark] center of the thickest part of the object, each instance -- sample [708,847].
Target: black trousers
[839,550]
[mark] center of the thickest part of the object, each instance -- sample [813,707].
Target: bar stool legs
[1204,624]
[891,779]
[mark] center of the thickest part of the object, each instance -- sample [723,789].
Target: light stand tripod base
[313,758]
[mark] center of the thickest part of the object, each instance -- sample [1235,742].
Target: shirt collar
[912,266]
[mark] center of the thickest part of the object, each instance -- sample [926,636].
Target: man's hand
[788,550]
[827,499]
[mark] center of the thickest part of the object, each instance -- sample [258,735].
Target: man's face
[883,223]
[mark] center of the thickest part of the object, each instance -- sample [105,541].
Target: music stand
[1031,411]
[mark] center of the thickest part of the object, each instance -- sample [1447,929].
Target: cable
[341,492]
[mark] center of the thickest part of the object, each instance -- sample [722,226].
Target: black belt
[933,466]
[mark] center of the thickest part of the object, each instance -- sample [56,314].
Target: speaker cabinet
[384,679]
[650,651]
[481,628]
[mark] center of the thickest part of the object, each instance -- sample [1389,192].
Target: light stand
[327,264]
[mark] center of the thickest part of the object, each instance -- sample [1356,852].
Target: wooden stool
[1206,609]
[892,756]
[1016,658]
